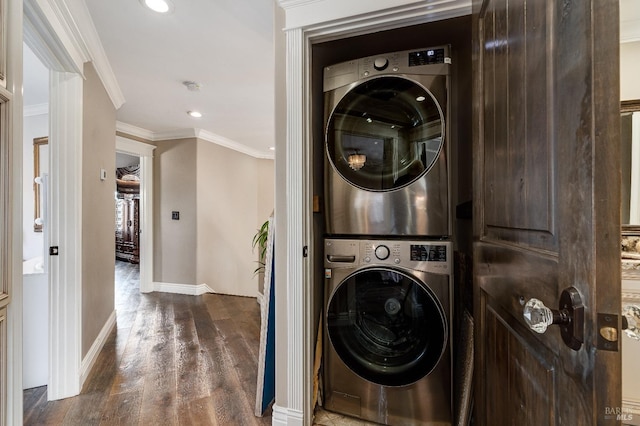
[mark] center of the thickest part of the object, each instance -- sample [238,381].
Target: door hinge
[305,251]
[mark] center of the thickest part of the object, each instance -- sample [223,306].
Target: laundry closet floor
[171,360]
[326,418]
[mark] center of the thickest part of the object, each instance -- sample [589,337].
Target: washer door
[385,133]
[386,327]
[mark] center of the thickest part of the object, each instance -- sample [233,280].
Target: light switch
[103,174]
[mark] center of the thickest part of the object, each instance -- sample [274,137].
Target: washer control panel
[428,256]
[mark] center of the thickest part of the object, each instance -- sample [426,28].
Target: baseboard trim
[89,360]
[282,416]
[630,411]
[188,289]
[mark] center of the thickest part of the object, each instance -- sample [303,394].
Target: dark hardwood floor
[172,360]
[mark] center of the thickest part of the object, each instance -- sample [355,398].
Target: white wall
[629,71]
[34,127]
[630,89]
[35,307]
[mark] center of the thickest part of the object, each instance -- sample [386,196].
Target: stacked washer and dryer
[387,252]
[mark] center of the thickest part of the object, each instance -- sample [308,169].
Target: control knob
[380,63]
[382,252]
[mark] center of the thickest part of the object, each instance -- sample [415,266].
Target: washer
[387,341]
[386,133]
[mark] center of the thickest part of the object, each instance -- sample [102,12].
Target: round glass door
[386,327]
[385,134]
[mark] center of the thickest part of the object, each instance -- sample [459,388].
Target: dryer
[387,331]
[386,132]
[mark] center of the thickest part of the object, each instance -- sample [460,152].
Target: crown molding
[62,35]
[228,143]
[190,133]
[132,130]
[48,32]
[38,109]
[629,21]
[175,134]
[89,36]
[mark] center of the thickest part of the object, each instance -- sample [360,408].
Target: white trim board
[188,289]
[77,41]
[88,36]
[65,231]
[286,417]
[90,359]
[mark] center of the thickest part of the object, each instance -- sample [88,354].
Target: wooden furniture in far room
[127,228]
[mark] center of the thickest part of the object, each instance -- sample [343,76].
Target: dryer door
[386,326]
[385,133]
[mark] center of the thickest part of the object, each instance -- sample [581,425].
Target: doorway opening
[136,159]
[35,154]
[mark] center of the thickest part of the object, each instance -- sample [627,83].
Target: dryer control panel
[426,61]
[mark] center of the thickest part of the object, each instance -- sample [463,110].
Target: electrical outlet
[175,215]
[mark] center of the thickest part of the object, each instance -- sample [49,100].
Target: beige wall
[174,182]
[629,71]
[222,196]
[266,189]
[98,217]
[229,186]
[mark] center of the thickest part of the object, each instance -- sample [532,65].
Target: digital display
[426,57]
[429,253]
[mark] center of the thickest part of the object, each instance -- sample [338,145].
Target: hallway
[171,360]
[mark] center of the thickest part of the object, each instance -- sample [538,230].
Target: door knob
[569,316]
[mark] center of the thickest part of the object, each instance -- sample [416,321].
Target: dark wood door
[546,208]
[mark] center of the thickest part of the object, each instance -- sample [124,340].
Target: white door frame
[145,152]
[65,231]
[42,23]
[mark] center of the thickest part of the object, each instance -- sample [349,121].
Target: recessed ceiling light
[194,114]
[160,6]
[420,98]
[272,148]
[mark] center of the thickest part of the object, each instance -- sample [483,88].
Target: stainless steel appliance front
[387,341]
[386,145]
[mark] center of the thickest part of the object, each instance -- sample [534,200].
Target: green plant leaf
[260,241]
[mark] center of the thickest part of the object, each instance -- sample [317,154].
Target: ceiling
[224,45]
